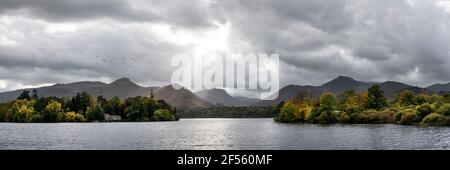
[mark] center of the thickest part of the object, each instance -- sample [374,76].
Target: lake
[213,134]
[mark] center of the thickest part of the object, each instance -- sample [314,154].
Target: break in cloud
[47,41]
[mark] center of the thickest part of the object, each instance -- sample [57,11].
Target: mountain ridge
[122,88]
[338,86]
[221,97]
[439,87]
[185,99]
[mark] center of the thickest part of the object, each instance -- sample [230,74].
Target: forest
[407,108]
[84,108]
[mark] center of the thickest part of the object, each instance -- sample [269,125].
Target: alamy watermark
[258,73]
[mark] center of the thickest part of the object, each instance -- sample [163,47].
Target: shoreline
[206,119]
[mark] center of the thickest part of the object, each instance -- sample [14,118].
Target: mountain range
[221,97]
[122,88]
[338,86]
[185,99]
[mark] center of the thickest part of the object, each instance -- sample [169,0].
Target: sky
[43,42]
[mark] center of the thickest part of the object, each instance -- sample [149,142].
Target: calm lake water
[219,134]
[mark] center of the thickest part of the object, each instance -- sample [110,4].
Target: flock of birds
[109,59]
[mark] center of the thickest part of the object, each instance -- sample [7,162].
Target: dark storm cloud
[370,40]
[62,10]
[324,14]
[184,14]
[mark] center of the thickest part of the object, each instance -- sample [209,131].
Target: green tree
[117,106]
[409,119]
[95,113]
[446,97]
[326,117]
[162,104]
[435,119]
[406,98]
[421,99]
[80,102]
[51,112]
[22,111]
[302,108]
[104,104]
[28,112]
[342,117]
[375,98]
[346,97]
[352,103]
[3,110]
[162,115]
[278,107]
[137,109]
[42,102]
[444,110]
[287,112]
[424,110]
[71,117]
[35,94]
[25,95]
[327,102]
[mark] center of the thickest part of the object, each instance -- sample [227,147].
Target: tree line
[406,108]
[230,112]
[84,108]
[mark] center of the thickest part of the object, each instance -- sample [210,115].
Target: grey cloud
[192,14]
[324,14]
[63,10]
[99,52]
[386,40]
[370,40]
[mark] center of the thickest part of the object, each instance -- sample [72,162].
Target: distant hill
[288,92]
[245,101]
[182,99]
[59,90]
[337,86]
[122,88]
[391,88]
[217,96]
[341,84]
[221,97]
[439,88]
